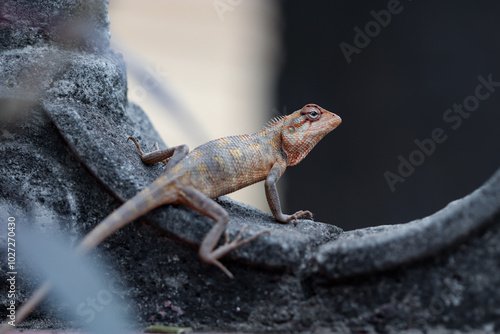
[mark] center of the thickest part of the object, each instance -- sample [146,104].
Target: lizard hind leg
[209,252]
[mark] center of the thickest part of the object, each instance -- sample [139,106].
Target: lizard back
[225,165]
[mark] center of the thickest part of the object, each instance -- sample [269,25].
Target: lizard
[214,169]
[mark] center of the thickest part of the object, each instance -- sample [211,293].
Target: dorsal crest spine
[274,121]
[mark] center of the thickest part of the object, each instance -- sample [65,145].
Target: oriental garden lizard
[217,168]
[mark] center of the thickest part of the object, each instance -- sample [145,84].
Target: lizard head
[303,129]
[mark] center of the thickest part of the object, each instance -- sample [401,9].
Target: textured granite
[65,164]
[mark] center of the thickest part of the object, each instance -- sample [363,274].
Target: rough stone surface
[65,164]
[384,247]
[82,25]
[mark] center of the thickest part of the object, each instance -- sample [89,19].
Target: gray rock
[81,25]
[66,164]
[385,247]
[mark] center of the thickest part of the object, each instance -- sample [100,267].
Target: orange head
[303,129]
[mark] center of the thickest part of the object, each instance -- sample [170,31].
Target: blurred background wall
[220,61]
[414,82]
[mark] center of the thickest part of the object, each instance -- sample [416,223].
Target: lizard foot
[301,214]
[228,246]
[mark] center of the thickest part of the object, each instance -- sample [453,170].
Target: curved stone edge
[284,247]
[380,248]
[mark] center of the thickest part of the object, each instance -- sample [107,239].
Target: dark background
[394,91]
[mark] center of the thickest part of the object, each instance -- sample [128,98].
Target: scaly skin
[217,168]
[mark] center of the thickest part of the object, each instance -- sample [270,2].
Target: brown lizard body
[213,169]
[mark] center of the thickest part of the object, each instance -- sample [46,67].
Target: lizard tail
[155,195]
[27,307]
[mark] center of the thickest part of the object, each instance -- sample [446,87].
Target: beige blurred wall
[219,58]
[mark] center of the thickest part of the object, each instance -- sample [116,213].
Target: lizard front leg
[274,200]
[174,154]
[208,252]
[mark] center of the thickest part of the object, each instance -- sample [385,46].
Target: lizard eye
[313,114]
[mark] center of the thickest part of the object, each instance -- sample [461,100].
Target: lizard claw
[238,240]
[136,145]
[301,214]
[212,258]
[223,268]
